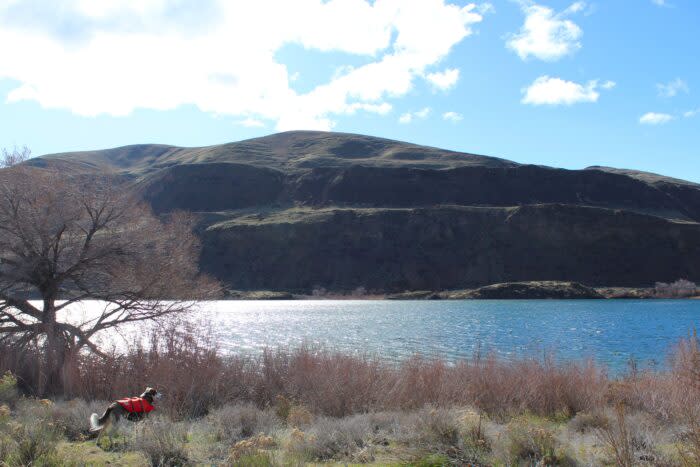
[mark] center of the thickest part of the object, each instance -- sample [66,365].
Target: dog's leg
[106,428]
[101,431]
[101,424]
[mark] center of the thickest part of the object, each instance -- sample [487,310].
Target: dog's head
[150,394]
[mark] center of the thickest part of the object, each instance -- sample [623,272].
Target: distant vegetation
[679,289]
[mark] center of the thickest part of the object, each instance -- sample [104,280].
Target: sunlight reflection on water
[610,331]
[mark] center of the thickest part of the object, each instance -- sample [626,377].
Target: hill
[301,210]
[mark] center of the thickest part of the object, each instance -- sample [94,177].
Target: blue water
[610,331]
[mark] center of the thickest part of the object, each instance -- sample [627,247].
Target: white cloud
[660,2]
[672,88]
[115,56]
[379,109]
[547,35]
[443,80]
[423,113]
[486,8]
[406,118]
[547,90]
[251,123]
[692,113]
[654,118]
[452,117]
[409,117]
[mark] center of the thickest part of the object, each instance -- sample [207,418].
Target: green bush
[258,459]
[476,447]
[433,460]
[32,442]
[8,389]
[6,447]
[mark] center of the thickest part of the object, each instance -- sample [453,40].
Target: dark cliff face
[211,187]
[483,186]
[452,247]
[299,210]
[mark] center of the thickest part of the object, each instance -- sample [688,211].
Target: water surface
[610,331]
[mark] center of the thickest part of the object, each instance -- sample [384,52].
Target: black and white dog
[131,408]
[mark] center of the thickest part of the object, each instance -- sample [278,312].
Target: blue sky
[561,83]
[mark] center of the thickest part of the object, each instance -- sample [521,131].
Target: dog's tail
[95,423]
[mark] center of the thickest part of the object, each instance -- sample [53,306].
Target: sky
[561,83]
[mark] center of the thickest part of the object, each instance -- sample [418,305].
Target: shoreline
[532,290]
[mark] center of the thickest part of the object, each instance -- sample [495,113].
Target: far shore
[533,290]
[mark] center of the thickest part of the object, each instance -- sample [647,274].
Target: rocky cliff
[299,210]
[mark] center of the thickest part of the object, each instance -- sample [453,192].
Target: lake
[610,331]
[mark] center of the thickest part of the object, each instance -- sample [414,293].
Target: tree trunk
[56,349]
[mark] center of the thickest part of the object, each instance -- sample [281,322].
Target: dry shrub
[685,398]
[436,427]
[331,439]
[232,423]
[543,388]
[161,441]
[299,416]
[179,360]
[183,363]
[243,452]
[587,421]
[282,407]
[301,444]
[616,437]
[532,441]
[330,383]
[338,385]
[196,378]
[71,417]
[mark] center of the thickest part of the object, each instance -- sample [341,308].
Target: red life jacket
[136,405]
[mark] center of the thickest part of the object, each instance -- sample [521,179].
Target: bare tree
[65,239]
[15,156]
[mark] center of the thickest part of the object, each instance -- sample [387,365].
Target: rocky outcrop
[528,290]
[415,295]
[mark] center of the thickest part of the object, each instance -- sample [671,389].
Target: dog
[131,408]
